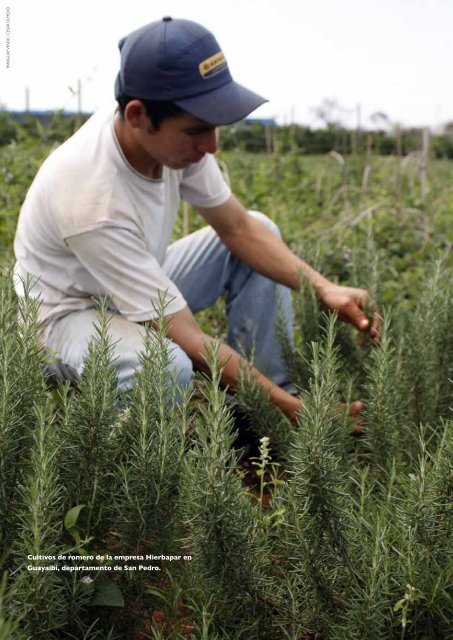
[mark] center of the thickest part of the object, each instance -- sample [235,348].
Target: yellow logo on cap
[213,65]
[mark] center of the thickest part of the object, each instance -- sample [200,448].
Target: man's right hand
[184,330]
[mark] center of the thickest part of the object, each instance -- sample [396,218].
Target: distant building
[44,117]
[265,122]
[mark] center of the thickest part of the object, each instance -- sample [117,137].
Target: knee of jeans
[128,364]
[270,224]
[181,368]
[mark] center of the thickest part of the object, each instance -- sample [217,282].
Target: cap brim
[227,104]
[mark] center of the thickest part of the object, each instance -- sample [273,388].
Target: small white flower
[264,448]
[87,580]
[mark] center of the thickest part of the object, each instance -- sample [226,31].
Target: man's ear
[136,116]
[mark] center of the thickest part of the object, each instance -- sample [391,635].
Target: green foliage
[318,500]
[23,147]
[368,610]
[22,389]
[264,418]
[8,129]
[431,349]
[106,594]
[232,563]
[425,517]
[18,166]
[383,407]
[149,436]
[355,541]
[352,540]
[86,429]
[8,626]
[256,138]
[37,596]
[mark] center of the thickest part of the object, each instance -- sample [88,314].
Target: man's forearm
[264,252]
[233,363]
[184,330]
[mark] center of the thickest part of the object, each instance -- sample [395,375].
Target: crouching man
[98,218]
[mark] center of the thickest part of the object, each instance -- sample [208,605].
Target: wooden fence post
[424,163]
[185,219]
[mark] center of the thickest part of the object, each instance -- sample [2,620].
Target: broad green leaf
[72,516]
[75,534]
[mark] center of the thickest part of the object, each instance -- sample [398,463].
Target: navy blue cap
[181,61]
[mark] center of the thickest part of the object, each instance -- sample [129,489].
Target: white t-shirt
[92,225]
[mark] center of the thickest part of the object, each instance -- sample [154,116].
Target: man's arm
[183,329]
[253,243]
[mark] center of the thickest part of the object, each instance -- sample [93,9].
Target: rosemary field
[129,515]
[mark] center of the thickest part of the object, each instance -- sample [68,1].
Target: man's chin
[183,164]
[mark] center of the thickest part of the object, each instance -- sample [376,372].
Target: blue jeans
[203,269]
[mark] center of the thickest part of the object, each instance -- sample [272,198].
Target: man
[98,218]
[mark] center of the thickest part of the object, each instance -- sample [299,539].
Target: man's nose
[209,142]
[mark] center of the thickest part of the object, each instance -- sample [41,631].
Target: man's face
[179,141]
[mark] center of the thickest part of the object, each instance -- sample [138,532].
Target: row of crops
[322,534]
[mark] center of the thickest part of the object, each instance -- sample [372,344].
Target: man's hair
[156,110]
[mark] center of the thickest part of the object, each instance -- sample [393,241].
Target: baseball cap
[181,61]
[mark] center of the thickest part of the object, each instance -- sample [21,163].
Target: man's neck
[134,154]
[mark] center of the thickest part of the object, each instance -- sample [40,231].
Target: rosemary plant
[430,356]
[308,323]
[231,563]
[8,626]
[382,404]
[37,595]
[321,556]
[149,436]
[86,429]
[425,522]
[367,613]
[440,491]
[21,386]
[264,418]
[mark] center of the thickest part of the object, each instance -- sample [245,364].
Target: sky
[367,56]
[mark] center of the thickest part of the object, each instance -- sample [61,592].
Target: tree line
[254,137]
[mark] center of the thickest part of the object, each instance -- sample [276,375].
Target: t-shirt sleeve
[203,184]
[123,269]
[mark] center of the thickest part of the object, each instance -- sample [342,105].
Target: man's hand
[352,411]
[352,306]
